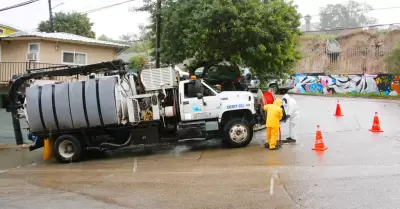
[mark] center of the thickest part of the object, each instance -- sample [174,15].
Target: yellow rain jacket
[274,113]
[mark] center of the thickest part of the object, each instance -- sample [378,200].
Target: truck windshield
[214,87]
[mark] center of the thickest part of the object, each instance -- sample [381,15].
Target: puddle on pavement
[176,149]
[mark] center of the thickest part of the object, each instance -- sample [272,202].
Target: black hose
[117,145]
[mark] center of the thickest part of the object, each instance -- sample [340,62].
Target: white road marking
[134,165]
[271,186]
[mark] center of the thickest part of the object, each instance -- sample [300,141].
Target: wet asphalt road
[360,169]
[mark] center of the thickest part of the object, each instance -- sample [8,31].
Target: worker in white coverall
[292,111]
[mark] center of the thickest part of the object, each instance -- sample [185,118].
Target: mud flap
[48,149]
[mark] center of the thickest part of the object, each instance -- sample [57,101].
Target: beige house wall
[51,51]
[14,51]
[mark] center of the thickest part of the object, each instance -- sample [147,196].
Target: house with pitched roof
[23,51]
[7,30]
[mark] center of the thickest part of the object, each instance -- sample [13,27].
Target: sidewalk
[7,131]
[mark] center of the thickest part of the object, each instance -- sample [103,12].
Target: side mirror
[199,96]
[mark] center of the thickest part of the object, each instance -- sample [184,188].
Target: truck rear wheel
[67,148]
[237,133]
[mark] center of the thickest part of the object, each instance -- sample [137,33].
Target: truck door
[198,109]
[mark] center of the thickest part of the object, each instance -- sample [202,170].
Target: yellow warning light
[193,77]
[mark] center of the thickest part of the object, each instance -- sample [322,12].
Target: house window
[1,31]
[75,58]
[33,48]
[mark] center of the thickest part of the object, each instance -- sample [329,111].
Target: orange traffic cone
[338,112]
[319,142]
[376,127]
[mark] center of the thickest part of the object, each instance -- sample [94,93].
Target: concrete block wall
[385,84]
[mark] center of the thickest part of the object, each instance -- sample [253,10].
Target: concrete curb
[13,146]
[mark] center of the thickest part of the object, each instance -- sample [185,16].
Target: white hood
[236,95]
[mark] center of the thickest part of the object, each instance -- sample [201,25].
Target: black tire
[248,128]
[68,142]
[275,88]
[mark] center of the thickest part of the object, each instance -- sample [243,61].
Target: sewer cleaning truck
[120,109]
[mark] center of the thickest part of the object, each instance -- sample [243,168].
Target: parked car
[281,85]
[278,85]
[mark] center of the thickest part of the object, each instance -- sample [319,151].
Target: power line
[359,10]
[105,7]
[341,29]
[18,5]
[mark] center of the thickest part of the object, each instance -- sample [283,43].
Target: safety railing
[9,69]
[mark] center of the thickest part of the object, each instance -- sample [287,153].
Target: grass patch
[352,94]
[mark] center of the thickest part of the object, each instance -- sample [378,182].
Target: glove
[287,117]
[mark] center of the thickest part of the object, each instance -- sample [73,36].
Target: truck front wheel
[67,148]
[237,133]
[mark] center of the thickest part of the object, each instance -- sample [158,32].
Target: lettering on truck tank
[235,106]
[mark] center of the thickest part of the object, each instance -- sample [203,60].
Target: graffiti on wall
[361,83]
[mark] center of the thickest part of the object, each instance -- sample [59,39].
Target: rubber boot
[278,145]
[289,140]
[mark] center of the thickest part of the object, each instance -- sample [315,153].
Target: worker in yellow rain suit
[274,115]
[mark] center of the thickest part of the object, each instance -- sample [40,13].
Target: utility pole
[51,17]
[158,33]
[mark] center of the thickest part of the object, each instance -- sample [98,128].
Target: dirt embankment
[361,52]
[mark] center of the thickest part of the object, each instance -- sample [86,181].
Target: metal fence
[348,61]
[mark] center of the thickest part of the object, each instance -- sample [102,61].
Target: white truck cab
[232,112]
[211,103]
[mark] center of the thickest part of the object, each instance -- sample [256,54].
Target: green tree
[393,61]
[106,38]
[141,46]
[74,23]
[137,63]
[352,14]
[258,34]
[128,38]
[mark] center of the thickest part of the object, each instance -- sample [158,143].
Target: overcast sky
[118,20]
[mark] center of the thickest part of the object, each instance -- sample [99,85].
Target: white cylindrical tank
[80,104]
